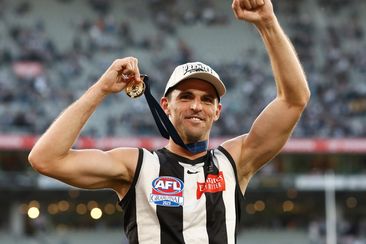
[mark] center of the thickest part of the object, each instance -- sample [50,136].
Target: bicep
[95,169]
[268,134]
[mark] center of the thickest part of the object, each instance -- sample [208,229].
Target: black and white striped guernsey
[176,200]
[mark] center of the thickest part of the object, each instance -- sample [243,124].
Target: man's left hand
[253,11]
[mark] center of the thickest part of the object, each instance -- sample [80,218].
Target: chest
[167,182]
[175,200]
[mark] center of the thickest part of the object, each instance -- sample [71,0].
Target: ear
[164,103]
[218,112]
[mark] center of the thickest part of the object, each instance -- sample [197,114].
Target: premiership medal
[135,89]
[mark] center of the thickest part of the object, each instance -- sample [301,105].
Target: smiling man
[191,100]
[175,194]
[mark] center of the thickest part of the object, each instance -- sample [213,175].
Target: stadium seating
[74,43]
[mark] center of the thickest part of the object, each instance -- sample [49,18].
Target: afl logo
[167,185]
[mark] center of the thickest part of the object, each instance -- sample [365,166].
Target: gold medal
[135,89]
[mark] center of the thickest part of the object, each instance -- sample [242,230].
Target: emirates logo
[214,183]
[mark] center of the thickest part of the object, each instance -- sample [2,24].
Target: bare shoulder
[128,158]
[234,146]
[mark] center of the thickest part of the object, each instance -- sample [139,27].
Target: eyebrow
[206,95]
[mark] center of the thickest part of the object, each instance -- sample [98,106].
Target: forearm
[61,135]
[288,73]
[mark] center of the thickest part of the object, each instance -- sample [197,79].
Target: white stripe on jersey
[228,195]
[148,227]
[194,212]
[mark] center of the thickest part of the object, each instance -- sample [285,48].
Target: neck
[175,148]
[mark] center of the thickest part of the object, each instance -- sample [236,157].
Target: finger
[136,69]
[122,75]
[257,3]
[235,6]
[245,4]
[128,69]
[253,4]
[118,66]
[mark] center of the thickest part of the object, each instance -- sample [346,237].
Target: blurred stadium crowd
[51,51]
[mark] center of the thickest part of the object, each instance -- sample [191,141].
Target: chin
[195,137]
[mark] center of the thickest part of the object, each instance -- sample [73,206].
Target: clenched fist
[119,74]
[253,11]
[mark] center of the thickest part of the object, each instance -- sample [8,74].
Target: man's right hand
[119,74]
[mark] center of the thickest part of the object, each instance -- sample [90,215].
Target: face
[192,108]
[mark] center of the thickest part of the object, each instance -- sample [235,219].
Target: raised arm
[52,154]
[274,125]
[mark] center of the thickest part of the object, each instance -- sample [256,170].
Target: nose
[196,105]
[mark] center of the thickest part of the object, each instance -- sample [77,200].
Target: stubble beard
[194,136]
[191,135]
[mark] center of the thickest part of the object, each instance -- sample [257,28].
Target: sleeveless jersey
[176,200]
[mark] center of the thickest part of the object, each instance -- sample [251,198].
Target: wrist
[100,89]
[267,24]
[97,92]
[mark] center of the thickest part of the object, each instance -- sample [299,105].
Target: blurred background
[51,51]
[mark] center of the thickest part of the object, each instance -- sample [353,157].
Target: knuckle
[119,61]
[131,59]
[124,60]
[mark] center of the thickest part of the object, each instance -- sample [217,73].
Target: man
[174,195]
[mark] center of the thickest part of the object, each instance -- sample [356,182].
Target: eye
[208,99]
[185,96]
